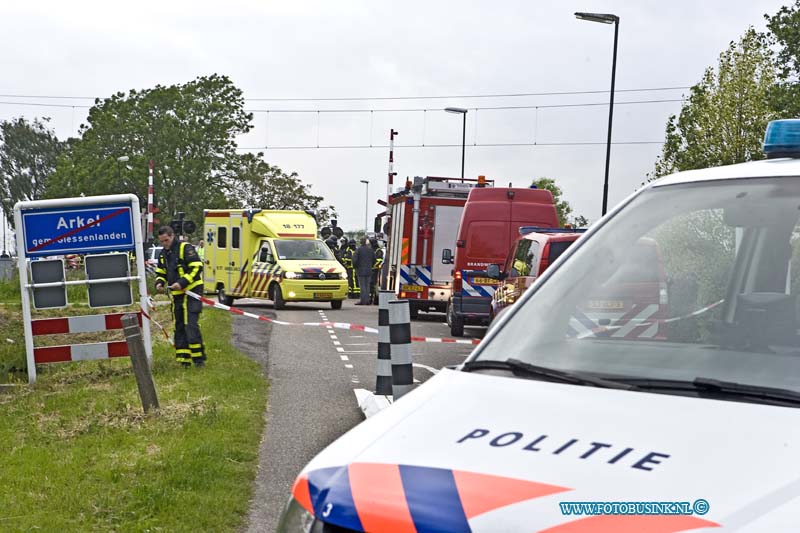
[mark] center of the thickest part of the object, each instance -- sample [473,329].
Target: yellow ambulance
[276,255]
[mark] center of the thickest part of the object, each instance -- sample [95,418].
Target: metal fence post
[400,337]
[141,366]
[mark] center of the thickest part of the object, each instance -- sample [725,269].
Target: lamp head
[603,18]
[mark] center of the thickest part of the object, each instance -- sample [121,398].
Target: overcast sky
[344,49]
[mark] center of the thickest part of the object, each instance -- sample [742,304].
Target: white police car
[571,418]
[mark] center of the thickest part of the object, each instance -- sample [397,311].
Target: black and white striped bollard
[383,382]
[400,337]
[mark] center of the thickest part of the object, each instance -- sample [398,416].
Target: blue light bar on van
[782,139]
[524,230]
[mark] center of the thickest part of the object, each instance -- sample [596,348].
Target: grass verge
[78,453]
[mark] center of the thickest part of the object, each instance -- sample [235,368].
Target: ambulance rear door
[210,260]
[235,266]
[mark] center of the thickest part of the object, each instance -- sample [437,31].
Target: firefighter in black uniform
[347,262]
[376,271]
[333,243]
[180,270]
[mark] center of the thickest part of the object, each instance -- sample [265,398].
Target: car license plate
[412,288]
[323,295]
[484,281]
[606,304]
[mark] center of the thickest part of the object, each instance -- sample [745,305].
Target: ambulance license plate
[606,304]
[411,288]
[484,281]
[323,295]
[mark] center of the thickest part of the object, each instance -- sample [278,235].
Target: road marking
[356,336]
[355,351]
[348,366]
[344,358]
[337,343]
[339,349]
[426,367]
[359,343]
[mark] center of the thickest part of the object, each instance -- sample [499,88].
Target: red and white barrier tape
[337,325]
[604,329]
[446,340]
[236,311]
[151,303]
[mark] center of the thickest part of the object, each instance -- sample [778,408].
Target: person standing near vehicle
[347,262]
[376,271]
[201,250]
[180,270]
[362,264]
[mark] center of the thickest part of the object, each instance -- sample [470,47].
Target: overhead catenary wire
[458,145]
[378,98]
[486,108]
[395,110]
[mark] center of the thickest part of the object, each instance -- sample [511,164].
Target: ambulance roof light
[782,139]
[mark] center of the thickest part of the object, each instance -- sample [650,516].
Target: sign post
[85,225]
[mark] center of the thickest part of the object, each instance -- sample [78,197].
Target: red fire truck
[424,220]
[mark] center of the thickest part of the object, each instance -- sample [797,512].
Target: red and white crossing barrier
[80,352]
[79,324]
[336,325]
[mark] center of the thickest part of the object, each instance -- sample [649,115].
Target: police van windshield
[690,280]
[303,249]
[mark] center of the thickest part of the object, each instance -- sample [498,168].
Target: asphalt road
[313,372]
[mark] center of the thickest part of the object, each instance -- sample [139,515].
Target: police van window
[532,259]
[519,266]
[222,237]
[556,249]
[235,238]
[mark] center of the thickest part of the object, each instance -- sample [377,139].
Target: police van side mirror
[447,256]
[493,271]
[263,256]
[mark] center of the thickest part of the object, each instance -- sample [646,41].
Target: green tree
[256,183]
[28,155]
[563,209]
[189,130]
[723,119]
[784,27]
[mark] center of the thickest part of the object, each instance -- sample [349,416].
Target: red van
[489,224]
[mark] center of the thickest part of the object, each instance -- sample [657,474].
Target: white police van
[564,420]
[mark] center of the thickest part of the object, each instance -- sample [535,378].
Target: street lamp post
[463,112]
[366,205]
[606,18]
[5,252]
[121,159]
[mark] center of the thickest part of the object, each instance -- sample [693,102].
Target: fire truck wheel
[223,298]
[413,311]
[277,298]
[336,304]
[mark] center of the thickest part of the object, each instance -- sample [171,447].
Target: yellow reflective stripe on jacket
[194,269]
